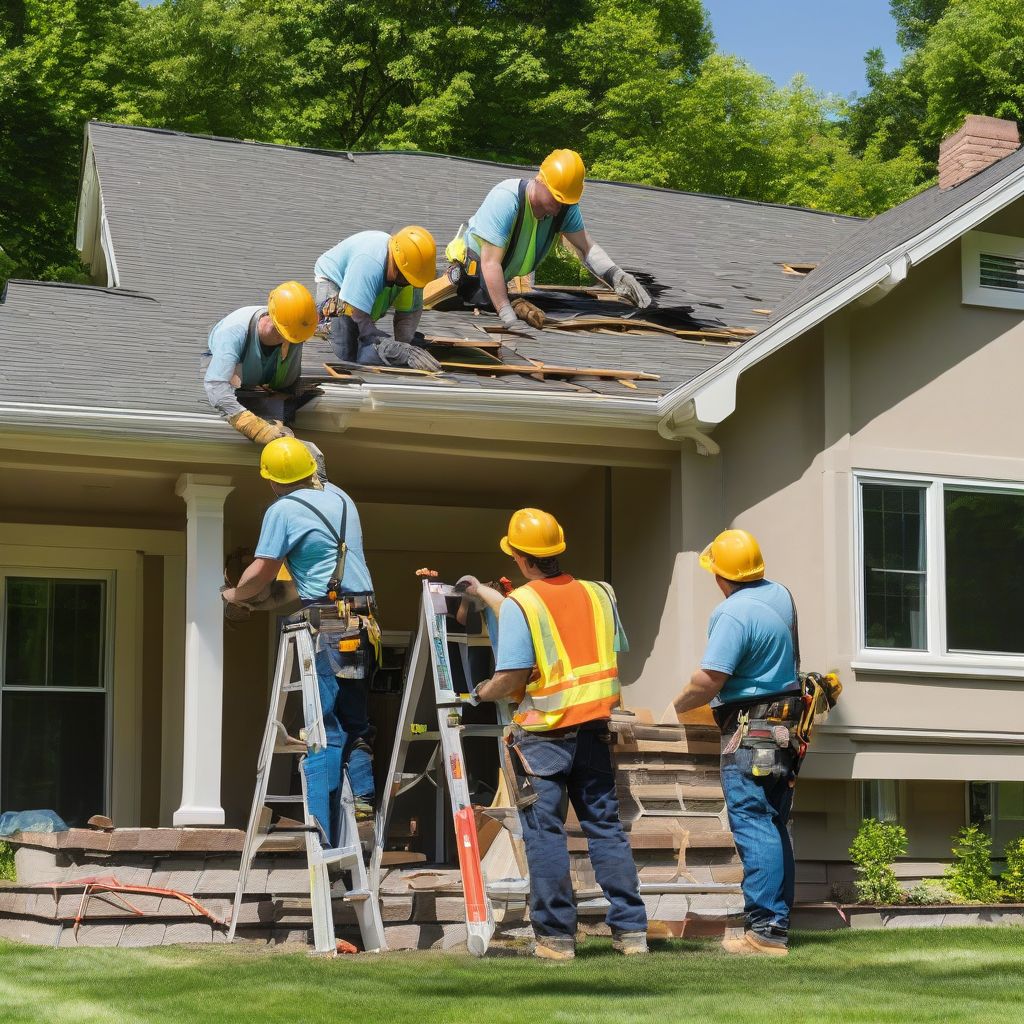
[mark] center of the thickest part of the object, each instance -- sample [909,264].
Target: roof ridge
[351,155]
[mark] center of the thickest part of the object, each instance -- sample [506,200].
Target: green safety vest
[531,240]
[403,297]
[272,370]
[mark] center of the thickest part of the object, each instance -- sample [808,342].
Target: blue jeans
[347,724]
[759,810]
[578,764]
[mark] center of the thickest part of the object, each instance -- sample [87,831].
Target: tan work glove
[259,430]
[527,311]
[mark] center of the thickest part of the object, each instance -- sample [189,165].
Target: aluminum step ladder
[295,656]
[430,655]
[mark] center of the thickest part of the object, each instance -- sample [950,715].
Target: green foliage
[873,850]
[931,892]
[915,19]
[1011,881]
[7,870]
[560,266]
[970,874]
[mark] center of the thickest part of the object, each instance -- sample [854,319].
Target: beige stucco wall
[916,383]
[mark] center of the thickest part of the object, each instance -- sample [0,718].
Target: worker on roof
[558,639]
[750,676]
[259,346]
[513,231]
[316,533]
[360,279]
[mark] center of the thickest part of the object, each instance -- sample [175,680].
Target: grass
[919,976]
[7,872]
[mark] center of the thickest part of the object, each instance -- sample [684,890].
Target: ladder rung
[342,855]
[291,687]
[298,747]
[356,896]
[294,798]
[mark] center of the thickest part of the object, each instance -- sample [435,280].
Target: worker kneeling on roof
[364,276]
[556,656]
[259,346]
[318,535]
[750,675]
[513,231]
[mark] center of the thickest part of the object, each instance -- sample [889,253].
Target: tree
[973,63]
[915,19]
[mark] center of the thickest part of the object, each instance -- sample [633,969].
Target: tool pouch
[347,645]
[516,779]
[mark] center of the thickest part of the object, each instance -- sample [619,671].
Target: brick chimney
[980,143]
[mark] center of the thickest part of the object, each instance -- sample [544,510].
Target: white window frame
[935,659]
[108,577]
[973,244]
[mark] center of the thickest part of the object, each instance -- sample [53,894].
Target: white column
[204,649]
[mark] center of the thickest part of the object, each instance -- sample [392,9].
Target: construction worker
[515,227]
[749,669]
[259,345]
[556,656]
[359,279]
[317,533]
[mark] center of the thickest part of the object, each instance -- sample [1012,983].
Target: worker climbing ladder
[296,656]
[430,654]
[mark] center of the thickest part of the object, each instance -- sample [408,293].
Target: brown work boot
[752,944]
[551,948]
[630,943]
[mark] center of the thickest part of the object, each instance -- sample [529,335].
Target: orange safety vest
[573,628]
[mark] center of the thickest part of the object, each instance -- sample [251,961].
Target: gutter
[127,422]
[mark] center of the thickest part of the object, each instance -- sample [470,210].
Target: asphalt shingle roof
[888,230]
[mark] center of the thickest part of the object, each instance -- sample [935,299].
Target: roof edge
[717,385]
[126,293]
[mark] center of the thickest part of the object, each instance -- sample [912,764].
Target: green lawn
[942,975]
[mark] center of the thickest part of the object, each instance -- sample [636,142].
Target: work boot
[363,809]
[550,947]
[630,943]
[752,944]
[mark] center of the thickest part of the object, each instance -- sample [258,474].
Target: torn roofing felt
[207,225]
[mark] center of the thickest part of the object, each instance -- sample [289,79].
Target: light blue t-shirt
[295,533]
[496,218]
[358,266]
[515,645]
[750,638]
[227,347]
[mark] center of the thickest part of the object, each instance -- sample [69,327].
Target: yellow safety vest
[572,624]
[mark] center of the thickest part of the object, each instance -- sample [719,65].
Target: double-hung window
[940,573]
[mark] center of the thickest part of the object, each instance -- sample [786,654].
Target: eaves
[709,398]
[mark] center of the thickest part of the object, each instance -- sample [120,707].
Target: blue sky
[824,39]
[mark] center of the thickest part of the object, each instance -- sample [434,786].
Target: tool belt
[778,731]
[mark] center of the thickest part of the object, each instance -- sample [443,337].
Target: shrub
[931,891]
[873,851]
[970,874]
[7,872]
[1011,881]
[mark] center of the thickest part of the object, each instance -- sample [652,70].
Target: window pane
[52,753]
[880,800]
[984,584]
[1010,801]
[28,607]
[77,633]
[893,529]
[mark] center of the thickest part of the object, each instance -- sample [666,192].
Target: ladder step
[297,747]
[342,855]
[356,896]
[292,687]
[292,798]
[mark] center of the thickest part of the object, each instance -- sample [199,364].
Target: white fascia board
[524,406]
[887,271]
[92,212]
[882,734]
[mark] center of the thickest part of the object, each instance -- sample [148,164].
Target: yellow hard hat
[286,460]
[293,311]
[563,173]
[734,555]
[415,254]
[534,532]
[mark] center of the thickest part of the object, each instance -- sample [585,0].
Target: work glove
[259,430]
[630,288]
[527,311]
[511,322]
[401,353]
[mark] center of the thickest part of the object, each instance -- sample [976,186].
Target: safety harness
[283,366]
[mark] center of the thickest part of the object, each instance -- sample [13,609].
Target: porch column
[204,648]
